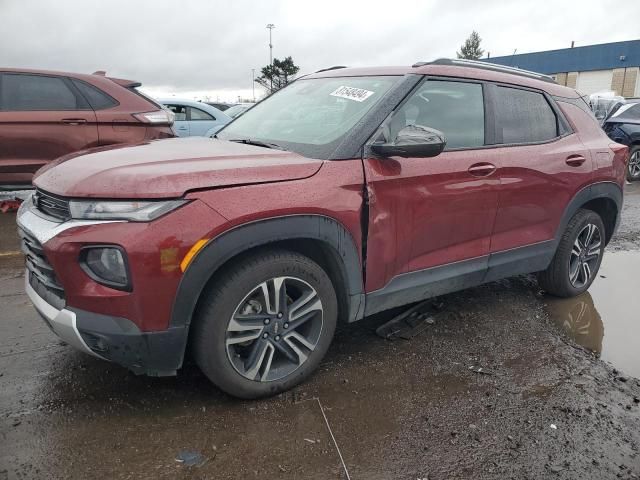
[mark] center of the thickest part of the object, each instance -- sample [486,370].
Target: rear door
[434,212]
[201,122]
[543,164]
[42,117]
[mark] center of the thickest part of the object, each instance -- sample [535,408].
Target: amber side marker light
[192,253]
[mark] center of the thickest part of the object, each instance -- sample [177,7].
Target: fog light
[106,265]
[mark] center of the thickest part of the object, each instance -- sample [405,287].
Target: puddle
[606,319]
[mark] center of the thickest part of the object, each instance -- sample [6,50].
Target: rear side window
[96,97]
[38,92]
[524,116]
[197,114]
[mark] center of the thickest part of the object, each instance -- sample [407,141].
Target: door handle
[575,160]
[182,128]
[74,121]
[482,169]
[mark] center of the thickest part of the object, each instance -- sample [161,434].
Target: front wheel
[633,167]
[266,324]
[578,257]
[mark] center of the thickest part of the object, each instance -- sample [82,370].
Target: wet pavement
[503,384]
[606,318]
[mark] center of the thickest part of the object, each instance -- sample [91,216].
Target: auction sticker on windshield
[351,93]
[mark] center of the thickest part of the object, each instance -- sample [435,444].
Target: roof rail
[460,62]
[336,67]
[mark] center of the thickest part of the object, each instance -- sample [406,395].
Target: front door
[431,219]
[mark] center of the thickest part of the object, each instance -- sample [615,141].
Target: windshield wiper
[257,143]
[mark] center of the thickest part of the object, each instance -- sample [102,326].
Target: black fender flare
[610,190]
[227,245]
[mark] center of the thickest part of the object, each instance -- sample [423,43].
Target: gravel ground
[492,389]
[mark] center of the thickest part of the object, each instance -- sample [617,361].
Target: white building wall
[593,82]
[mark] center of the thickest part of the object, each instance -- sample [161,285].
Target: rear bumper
[113,338]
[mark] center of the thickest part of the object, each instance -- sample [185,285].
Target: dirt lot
[501,385]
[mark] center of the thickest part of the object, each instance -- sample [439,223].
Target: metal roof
[605,56]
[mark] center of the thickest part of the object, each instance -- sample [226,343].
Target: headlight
[143,211]
[106,265]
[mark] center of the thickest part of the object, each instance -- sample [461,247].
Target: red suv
[44,115]
[346,193]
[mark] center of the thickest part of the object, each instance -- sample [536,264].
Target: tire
[633,167]
[238,327]
[566,276]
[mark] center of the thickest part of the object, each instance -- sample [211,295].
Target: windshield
[312,116]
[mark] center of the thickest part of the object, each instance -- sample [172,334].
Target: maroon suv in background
[44,115]
[349,192]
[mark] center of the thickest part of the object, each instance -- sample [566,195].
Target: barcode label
[351,93]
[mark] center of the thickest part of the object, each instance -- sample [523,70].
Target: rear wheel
[266,325]
[633,168]
[578,257]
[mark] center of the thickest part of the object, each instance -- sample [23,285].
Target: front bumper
[114,339]
[109,335]
[62,322]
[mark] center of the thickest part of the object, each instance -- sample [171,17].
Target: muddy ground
[502,385]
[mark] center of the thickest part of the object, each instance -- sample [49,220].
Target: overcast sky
[208,47]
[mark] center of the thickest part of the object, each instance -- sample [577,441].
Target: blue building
[590,69]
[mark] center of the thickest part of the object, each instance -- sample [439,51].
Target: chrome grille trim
[38,266]
[52,205]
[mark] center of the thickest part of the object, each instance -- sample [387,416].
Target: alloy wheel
[274,329]
[634,164]
[585,255]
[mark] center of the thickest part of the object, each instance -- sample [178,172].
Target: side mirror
[413,141]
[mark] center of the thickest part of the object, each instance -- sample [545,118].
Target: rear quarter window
[524,116]
[96,97]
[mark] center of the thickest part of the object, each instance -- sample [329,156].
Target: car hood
[169,168]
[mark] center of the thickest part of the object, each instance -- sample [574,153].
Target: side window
[96,97]
[454,108]
[197,114]
[180,112]
[37,92]
[524,116]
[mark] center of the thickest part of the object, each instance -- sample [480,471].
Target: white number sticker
[351,93]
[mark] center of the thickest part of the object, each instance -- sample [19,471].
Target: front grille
[52,205]
[41,275]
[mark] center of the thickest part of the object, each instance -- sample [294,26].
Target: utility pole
[253,83]
[271,26]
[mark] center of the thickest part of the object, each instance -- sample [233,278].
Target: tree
[471,50]
[276,76]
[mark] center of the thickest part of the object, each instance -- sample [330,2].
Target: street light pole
[271,26]
[253,83]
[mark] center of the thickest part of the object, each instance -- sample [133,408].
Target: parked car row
[195,118]
[623,126]
[45,115]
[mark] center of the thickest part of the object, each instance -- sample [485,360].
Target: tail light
[157,117]
[620,152]
[620,160]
